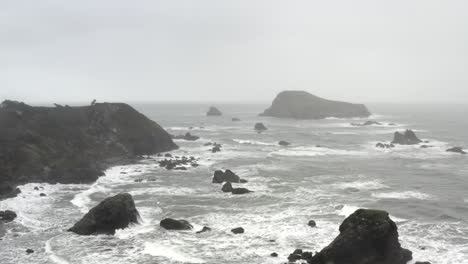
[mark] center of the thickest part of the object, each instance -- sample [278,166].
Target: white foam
[362,185]
[52,255]
[254,142]
[315,151]
[403,195]
[170,252]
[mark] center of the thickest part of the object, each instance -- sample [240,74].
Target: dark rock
[260,127]
[294,257]
[187,136]
[172,224]
[29,251]
[312,223]
[456,150]
[303,105]
[213,111]
[227,187]
[42,194]
[138,180]
[36,188]
[168,155]
[7,215]
[238,230]
[208,144]
[367,123]
[298,251]
[243,181]
[72,144]
[426,146]
[226,176]
[406,138]
[240,191]
[384,145]
[215,149]
[366,237]
[422,262]
[113,213]
[204,229]
[284,143]
[235,119]
[274,254]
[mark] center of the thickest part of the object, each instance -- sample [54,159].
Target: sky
[233,50]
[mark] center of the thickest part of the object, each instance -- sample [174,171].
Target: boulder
[456,150]
[7,215]
[366,237]
[406,138]
[284,143]
[29,251]
[260,127]
[226,176]
[303,105]
[213,111]
[115,212]
[42,194]
[227,187]
[172,224]
[274,255]
[312,223]
[238,230]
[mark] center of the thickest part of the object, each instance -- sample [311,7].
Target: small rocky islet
[366,236]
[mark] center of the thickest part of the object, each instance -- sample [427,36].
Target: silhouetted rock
[213,111]
[227,187]
[42,194]
[303,105]
[312,223]
[406,138]
[274,254]
[115,212]
[172,224]
[72,144]
[187,136]
[284,143]
[260,127]
[226,176]
[235,119]
[29,251]
[456,150]
[7,215]
[366,237]
[238,230]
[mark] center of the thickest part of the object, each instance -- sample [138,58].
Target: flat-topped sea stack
[66,144]
[213,111]
[303,105]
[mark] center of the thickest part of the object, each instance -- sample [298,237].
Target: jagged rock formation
[303,105]
[113,213]
[366,237]
[71,144]
[406,138]
[213,111]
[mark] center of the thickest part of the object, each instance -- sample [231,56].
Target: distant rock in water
[227,187]
[172,224]
[238,230]
[456,150]
[113,213]
[226,176]
[303,105]
[284,143]
[235,119]
[72,144]
[238,191]
[366,237]
[213,111]
[260,127]
[367,123]
[187,136]
[406,138]
[384,145]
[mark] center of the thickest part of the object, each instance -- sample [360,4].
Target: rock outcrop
[456,150]
[113,213]
[406,138]
[303,105]
[71,144]
[173,224]
[7,215]
[366,237]
[213,111]
[226,176]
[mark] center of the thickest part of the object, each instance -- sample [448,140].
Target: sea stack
[66,144]
[303,105]
[213,111]
[406,138]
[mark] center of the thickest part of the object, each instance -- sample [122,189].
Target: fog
[233,51]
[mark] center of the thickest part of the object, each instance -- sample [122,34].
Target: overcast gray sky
[220,50]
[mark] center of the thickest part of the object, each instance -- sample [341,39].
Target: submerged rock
[226,176]
[115,212]
[235,119]
[303,105]
[284,143]
[238,230]
[456,150]
[260,127]
[406,138]
[172,224]
[213,111]
[366,237]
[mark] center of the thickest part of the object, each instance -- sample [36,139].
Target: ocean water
[330,170]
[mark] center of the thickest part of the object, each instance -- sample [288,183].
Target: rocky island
[303,105]
[66,144]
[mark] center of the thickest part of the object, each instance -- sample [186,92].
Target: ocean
[330,169]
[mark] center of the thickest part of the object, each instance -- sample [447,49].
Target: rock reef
[303,105]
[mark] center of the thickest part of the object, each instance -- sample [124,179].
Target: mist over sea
[330,169]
